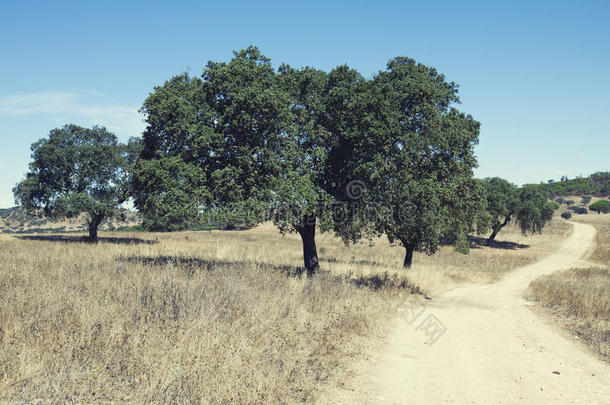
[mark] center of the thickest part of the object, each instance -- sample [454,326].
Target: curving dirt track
[482,344]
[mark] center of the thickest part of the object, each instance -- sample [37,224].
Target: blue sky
[534,73]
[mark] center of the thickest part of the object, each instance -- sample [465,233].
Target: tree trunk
[409,249]
[492,237]
[94,222]
[307,230]
[495,231]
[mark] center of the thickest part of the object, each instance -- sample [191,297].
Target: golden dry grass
[208,317]
[580,298]
[83,323]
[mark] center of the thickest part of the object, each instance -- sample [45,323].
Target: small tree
[586,199]
[78,170]
[502,203]
[527,205]
[569,202]
[566,215]
[601,206]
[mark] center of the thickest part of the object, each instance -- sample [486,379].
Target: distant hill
[17,220]
[597,184]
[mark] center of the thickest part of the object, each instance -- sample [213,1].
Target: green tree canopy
[76,170]
[244,141]
[249,142]
[416,153]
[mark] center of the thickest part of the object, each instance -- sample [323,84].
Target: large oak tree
[246,141]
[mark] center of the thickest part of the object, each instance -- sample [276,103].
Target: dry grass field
[579,298]
[210,317]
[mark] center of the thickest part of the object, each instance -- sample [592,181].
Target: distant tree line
[311,150]
[597,184]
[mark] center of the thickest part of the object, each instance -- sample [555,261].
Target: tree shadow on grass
[85,239]
[194,264]
[477,242]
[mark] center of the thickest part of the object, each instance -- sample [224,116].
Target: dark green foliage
[417,157]
[77,170]
[577,209]
[559,200]
[586,199]
[534,210]
[231,146]
[566,215]
[601,206]
[569,202]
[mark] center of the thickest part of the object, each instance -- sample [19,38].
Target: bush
[569,202]
[600,206]
[132,228]
[559,200]
[566,215]
[580,210]
[586,199]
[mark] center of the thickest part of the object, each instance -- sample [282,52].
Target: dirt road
[482,344]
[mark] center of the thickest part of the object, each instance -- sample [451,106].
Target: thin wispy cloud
[86,107]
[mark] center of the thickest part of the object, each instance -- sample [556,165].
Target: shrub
[600,206]
[566,215]
[580,210]
[586,199]
[569,202]
[559,200]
